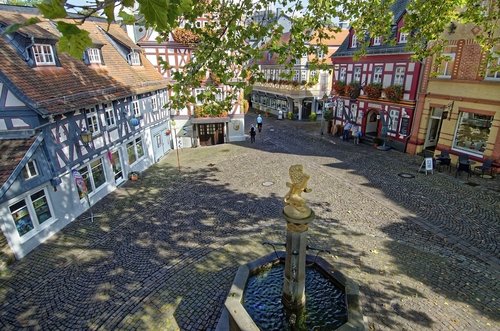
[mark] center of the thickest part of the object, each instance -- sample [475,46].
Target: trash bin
[280,115]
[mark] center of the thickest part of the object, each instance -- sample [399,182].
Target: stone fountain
[254,301]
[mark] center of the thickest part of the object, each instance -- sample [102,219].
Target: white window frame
[44,54]
[466,149]
[296,74]
[399,76]
[496,74]
[88,171]
[133,143]
[393,120]
[303,75]
[154,103]
[342,74]
[92,121]
[94,55]
[197,92]
[444,68]
[219,96]
[134,59]
[356,76]
[403,37]
[136,111]
[27,174]
[354,41]
[28,202]
[376,41]
[109,115]
[377,76]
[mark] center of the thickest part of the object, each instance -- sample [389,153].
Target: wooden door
[211,134]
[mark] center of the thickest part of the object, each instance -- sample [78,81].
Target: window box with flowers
[184,36]
[394,92]
[353,90]
[339,87]
[373,90]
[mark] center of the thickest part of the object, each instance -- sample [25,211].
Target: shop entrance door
[211,134]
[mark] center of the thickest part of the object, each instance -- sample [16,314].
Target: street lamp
[324,99]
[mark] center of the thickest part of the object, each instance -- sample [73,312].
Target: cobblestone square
[423,250]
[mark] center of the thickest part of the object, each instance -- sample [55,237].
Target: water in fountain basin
[325,308]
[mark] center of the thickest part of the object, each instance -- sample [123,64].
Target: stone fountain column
[297,216]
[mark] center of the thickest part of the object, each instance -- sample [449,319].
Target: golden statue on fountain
[295,204]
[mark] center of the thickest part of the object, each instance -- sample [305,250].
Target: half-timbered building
[191,128]
[99,117]
[378,91]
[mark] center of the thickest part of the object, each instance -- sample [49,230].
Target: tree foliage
[230,43]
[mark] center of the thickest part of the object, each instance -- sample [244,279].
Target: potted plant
[328,117]
[339,87]
[394,92]
[312,117]
[289,115]
[133,176]
[373,90]
[353,90]
[168,132]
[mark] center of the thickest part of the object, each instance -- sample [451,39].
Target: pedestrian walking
[259,123]
[356,133]
[253,132]
[347,131]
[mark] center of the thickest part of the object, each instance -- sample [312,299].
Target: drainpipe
[26,57]
[420,83]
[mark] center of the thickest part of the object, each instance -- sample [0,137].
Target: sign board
[428,164]
[405,124]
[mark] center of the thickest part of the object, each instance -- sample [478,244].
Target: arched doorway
[371,128]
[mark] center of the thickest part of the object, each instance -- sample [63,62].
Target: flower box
[373,91]
[394,92]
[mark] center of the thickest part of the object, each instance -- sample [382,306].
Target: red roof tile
[76,85]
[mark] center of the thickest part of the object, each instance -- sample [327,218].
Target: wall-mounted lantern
[86,137]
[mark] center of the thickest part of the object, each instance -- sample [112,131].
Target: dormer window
[134,59]
[376,41]
[43,54]
[354,41]
[94,55]
[403,37]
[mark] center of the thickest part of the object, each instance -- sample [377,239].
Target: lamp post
[172,123]
[324,99]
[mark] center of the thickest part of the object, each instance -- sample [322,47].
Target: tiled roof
[13,152]
[30,30]
[398,9]
[75,85]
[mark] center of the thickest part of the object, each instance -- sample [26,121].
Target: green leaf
[109,10]
[126,17]
[73,41]
[53,8]
[12,28]
[128,3]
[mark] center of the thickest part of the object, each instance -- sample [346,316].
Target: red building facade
[379,90]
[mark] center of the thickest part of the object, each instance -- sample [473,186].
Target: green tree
[222,46]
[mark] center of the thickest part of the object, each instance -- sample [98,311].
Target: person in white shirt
[259,123]
[347,131]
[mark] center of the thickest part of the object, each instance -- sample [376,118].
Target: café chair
[463,165]
[486,167]
[444,160]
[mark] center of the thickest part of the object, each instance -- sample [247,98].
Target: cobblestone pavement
[423,250]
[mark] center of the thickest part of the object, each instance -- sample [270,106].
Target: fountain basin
[236,316]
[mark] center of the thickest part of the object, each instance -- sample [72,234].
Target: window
[30,212]
[357,75]
[340,109]
[296,75]
[403,37]
[94,55]
[219,96]
[158,140]
[135,150]
[354,41]
[93,175]
[399,76]
[154,103]
[472,132]
[30,170]
[445,68]
[92,121]
[376,41]
[134,59]
[109,115]
[377,75]
[198,95]
[491,71]
[44,55]
[303,75]
[342,74]
[135,108]
[319,52]
[394,120]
